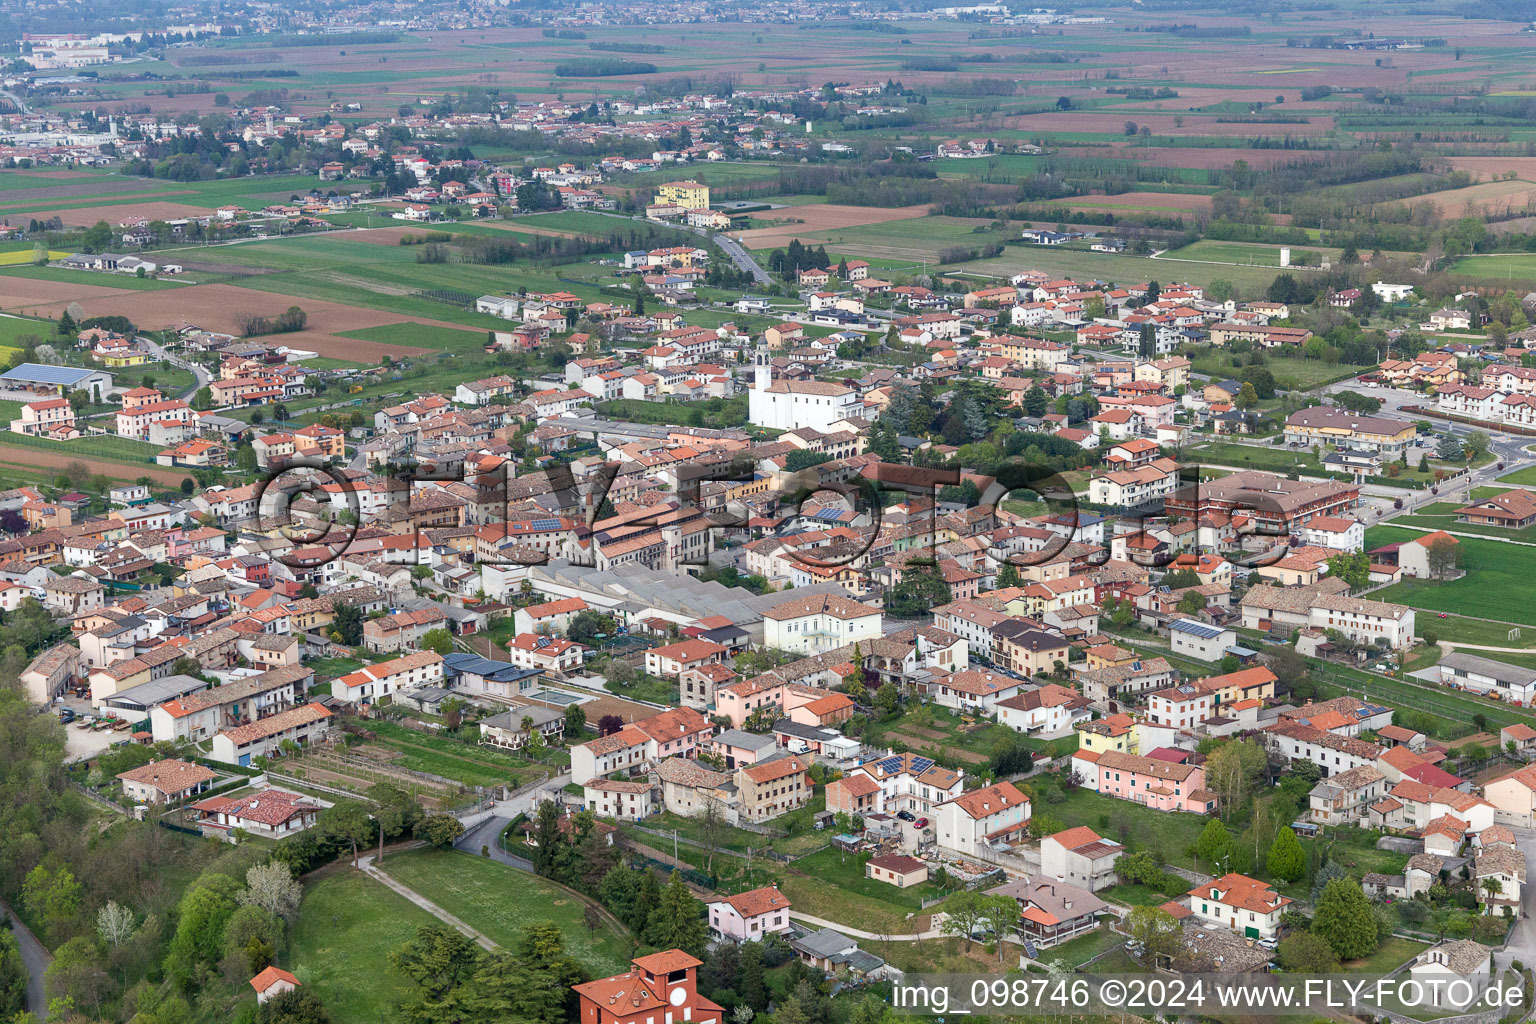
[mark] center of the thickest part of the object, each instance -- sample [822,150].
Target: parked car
[66,716]
[920,823]
[906,815]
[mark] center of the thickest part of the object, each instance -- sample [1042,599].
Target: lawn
[1083,948]
[1390,955]
[1290,373]
[1497,578]
[1245,456]
[1170,835]
[1526,476]
[1245,253]
[443,339]
[718,413]
[1132,895]
[501,901]
[348,924]
[846,871]
[1441,515]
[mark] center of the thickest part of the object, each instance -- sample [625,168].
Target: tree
[587,625]
[296,1006]
[13,978]
[887,699]
[1192,603]
[1287,861]
[1247,397]
[440,829]
[114,923]
[349,823]
[347,620]
[1008,576]
[1214,843]
[1156,929]
[438,640]
[966,911]
[76,973]
[678,920]
[272,888]
[1307,953]
[440,961]
[1352,568]
[754,992]
[1344,920]
[922,587]
[204,911]
[1035,401]
[575,721]
[1476,444]
[52,897]
[1233,770]
[1444,556]
[1449,448]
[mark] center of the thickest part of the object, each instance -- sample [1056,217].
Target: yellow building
[1117,732]
[121,359]
[690,195]
[1257,683]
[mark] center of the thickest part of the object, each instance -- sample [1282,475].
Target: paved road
[855,933]
[365,864]
[483,836]
[742,259]
[202,375]
[36,958]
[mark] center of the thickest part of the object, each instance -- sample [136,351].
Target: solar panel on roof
[921,764]
[828,513]
[43,373]
[891,764]
[545,524]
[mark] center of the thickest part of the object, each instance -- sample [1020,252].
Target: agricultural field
[1496,575]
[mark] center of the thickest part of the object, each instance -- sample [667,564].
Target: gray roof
[42,373]
[825,943]
[667,591]
[514,719]
[750,740]
[1503,672]
[156,691]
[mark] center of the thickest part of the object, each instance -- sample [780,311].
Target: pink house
[749,916]
[1158,784]
[739,700]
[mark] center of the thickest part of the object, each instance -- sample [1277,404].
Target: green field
[1498,577]
[1525,477]
[1441,515]
[499,901]
[1116,269]
[1517,268]
[1292,374]
[443,339]
[1244,253]
[348,924]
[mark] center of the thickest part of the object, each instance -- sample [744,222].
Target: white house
[1080,856]
[996,814]
[1200,640]
[815,624]
[619,798]
[1239,903]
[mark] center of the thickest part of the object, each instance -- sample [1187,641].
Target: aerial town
[565,514]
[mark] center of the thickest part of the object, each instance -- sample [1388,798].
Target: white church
[790,404]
